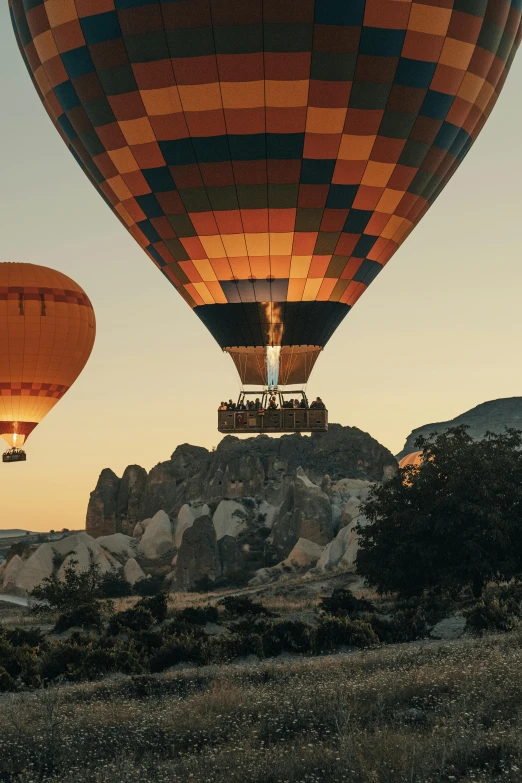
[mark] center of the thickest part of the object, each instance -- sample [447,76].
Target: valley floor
[413,713]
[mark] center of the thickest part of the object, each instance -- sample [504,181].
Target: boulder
[305,513]
[132,571]
[342,551]
[187,514]
[83,556]
[36,568]
[11,571]
[450,628]
[229,519]
[140,528]
[119,544]
[305,554]
[198,555]
[157,540]
[68,544]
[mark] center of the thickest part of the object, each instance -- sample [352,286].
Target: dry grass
[418,713]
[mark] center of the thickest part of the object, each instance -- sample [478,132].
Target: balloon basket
[14,455]
[270,411]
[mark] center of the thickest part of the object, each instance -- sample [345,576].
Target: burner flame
[273,353]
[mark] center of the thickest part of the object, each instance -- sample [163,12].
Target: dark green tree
[454,521]
[77,588]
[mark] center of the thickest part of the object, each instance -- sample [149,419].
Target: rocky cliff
[262,468]
[492,416]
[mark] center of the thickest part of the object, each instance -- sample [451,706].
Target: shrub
[156,605]
[18,665]
[203,585]
[87,616]
[405,625]
[199,615]
[150,586]
[333,632]
[32,637]
[343,603]
[241,605]
[137,619]
[489,615]
[114,585]
[290,636]
[225,648]
[180,649]
[77,588]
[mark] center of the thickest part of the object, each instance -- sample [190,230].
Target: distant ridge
[492,416]
[13,533]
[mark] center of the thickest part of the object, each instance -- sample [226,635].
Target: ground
[422,712]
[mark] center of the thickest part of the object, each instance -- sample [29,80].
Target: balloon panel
[47,331]
[270,157]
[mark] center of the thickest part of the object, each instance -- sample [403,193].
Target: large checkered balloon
[270,156]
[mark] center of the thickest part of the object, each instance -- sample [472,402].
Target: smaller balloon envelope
[47,331]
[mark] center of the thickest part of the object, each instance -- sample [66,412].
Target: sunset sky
[437,333]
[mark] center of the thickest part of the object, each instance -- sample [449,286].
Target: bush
[203,585]
[87,616]
[114,585]
[489,615]
[78,588]
[225,648]
[290,636]
[241,605]
[405,625]
[150,586]
[156,605]
[180,649]
[195,615]
[18,665]
[333,632]
[137,619]
[343,603]
[32,637]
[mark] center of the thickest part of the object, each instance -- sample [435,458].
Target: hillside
[491,416]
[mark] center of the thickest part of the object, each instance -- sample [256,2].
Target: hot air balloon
[414,459]
[269,156]
[47,330]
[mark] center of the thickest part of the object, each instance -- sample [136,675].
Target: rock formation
[260,467]
[491,416]
[157,541]
[198,555]
[306,513]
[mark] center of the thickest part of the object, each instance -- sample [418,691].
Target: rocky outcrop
[491,416]
[157,540]
[187,515]
[229,519]
[198,555]
[119,544]
[114,504]
[11,572]
[262,468]
[132,571]
[305,513]
[342,551]
[35,569]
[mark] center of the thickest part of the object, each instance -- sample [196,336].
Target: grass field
[413,713]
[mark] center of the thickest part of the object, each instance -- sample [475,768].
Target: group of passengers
[251,405]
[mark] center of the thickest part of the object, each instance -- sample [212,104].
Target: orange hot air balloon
[47,330]
[414,459]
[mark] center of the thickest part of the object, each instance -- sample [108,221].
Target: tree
[77,588]
[454,521]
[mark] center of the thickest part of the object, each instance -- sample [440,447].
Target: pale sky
[437,333]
